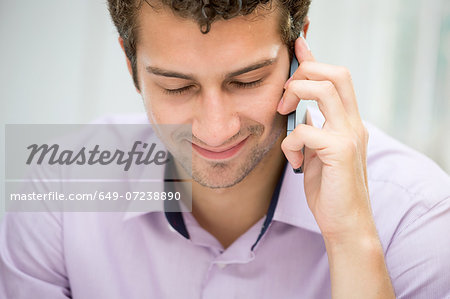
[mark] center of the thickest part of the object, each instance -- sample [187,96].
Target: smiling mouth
[219,154]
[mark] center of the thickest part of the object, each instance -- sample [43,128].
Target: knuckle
[343,73]
[328,88]
[284,144]
[292,86]
[304,65]
[349,146]
[288,144]
[298,133]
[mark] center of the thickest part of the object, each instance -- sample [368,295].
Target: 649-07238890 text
[97,195]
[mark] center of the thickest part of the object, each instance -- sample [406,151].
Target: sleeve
[418,258]
[31,256]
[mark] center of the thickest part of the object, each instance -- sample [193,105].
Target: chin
[217,178]
[226,174]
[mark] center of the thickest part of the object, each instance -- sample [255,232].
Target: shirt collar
[166,174]
[292,207]
[134,208]
[131,212]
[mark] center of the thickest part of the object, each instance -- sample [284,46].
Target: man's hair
[124,14]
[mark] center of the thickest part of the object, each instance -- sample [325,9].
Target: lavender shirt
[142,255]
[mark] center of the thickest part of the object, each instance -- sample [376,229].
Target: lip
[219,154]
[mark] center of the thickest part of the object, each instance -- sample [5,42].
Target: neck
[227,213]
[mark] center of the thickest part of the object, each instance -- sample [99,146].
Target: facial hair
[216,175]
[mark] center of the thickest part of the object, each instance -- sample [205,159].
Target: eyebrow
[166,73]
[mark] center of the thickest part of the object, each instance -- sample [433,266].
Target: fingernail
[306,43]
[287,82]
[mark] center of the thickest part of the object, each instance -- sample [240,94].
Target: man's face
[226,84]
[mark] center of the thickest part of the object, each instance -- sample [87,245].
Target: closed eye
[247,84]
[178,90]
[238,84]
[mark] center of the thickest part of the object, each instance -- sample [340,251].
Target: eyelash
[177,91]
[247,84]
[238,84]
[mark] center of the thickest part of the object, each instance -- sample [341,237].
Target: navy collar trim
[272,207]
[176,220]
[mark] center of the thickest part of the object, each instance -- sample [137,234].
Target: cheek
[263,106]
[161,111]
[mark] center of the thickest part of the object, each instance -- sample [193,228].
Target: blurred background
[60,62]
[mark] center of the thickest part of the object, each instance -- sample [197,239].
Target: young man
[364,221]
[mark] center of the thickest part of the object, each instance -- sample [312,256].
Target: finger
[307,152]
[304,135]
[323,92]
[295,158]
[303,53]
[302,50]
[341,78]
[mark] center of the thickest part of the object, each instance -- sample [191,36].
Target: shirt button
[221,265]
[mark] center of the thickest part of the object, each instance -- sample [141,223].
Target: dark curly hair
[124,15]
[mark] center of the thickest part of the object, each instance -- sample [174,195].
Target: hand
[335,176]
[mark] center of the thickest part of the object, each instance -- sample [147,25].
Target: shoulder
[394,163]
[403,183]
[401,177]
[410,197]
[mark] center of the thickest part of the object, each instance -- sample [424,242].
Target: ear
[306,23]
[130,70]
[128,60]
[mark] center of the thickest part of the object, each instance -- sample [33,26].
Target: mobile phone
[299,115]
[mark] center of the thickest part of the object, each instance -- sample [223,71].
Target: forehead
[164,35]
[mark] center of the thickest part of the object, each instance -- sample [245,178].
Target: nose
[216,119]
